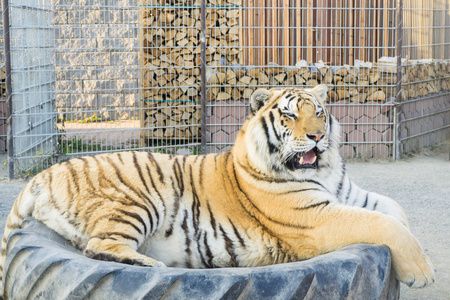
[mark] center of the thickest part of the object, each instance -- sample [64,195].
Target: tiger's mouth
[304,160]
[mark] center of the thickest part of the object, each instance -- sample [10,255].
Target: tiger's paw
[413,267]
[147,262]
[419,274]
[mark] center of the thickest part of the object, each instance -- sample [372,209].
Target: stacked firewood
[2,81]
[170,62]
[421,78]
[171,58]
[345,83]
[355,84]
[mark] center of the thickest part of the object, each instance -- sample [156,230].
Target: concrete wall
[97,58]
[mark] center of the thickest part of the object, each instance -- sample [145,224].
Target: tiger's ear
[321,91]
[259,98]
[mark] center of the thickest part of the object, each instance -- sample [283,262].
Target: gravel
[420,183]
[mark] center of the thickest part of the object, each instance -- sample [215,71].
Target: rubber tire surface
[41,264]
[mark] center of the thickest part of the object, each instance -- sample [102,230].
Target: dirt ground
[420,183]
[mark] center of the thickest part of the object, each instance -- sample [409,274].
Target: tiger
[280,194]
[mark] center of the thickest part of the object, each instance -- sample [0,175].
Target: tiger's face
[291,128]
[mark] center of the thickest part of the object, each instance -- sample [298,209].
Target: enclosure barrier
[176,76]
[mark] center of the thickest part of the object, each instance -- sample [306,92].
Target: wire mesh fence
[425,112]
[3,110]
[176,76]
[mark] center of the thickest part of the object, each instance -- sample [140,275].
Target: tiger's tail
[14,222]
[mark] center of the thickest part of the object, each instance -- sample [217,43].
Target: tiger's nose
[316,136]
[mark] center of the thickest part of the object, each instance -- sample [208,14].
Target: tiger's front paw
[147,262]
[412,266]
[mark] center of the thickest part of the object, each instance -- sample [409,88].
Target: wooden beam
[262,34]
[386,17]
[310,24]
[241,34]
[298,24]
[362,31]
[251,23]
[275,31]
[286,41]
[351,41]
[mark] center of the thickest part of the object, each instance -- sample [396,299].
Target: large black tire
[41,264]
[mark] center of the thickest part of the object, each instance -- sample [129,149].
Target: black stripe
[138,167]
[375,205]
[50,191]
[175,210]
[131,187]
[254,206]
[367,199]
[259,176]
[184,162]
[325,203]
[267,230]
[349,191]
[74,175]
[157,191]
[236,232]
[215,161]
[156,164]
[136,217]
[195,203]
[209,254]
[119,155]
[70,179]
[272,121]
[187,240]
[229,247]
[212,220]
[200,252]
[302,190]
[103,179]
[272,147]
[86,169]
[109,236]
[341,183]
[179,176]
[118,220]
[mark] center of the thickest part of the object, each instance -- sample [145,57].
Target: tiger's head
[291,131]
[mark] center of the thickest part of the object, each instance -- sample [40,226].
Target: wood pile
[170,69]
[2,81]
[354,84]
[170,58]
[424,77]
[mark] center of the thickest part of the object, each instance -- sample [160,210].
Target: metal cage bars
[207,120]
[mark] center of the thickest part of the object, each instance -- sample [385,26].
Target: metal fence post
[7,42]
[398,98]
[203,74]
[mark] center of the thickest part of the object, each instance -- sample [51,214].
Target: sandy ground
[420,183]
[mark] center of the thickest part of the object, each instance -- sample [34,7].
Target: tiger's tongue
[308,157]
